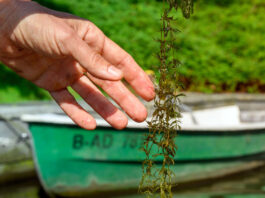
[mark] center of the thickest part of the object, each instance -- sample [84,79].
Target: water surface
[245,185]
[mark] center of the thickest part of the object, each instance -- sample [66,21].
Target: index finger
[132,72]
[116,56]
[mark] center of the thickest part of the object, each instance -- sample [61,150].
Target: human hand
[56,50]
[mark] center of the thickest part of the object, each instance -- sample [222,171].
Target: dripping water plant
[159,144]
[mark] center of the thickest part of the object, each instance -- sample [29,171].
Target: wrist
[10,1]
[10,11]
[7,7]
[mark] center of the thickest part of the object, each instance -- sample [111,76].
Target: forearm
[12,13]
[7,7]
[10,1]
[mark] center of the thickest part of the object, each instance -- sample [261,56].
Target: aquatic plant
[160,144]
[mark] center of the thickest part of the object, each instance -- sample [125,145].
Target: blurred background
[221,48]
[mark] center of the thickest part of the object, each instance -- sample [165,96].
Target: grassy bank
[221,47]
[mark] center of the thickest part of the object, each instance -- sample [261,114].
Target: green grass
[222,47]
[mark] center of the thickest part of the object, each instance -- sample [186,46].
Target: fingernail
[114,71]
[151,89]
[151,93]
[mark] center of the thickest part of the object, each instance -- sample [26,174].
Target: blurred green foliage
[14,88]
[222,46]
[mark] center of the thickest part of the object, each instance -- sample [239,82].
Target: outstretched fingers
[89,59]
[132,72]
[123,97]
[92,95]
[69,105]
[116,56]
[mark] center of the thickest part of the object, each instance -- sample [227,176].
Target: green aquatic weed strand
[160,142]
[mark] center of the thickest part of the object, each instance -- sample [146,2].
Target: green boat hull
[73,162]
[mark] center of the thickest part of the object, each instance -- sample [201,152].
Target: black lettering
[126,140]
[107,141]
[133,142]
[78,141]
[95,141]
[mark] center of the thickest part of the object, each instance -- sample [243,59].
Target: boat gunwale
[64,120]
[180,132]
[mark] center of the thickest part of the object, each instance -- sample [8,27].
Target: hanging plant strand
[159,144]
